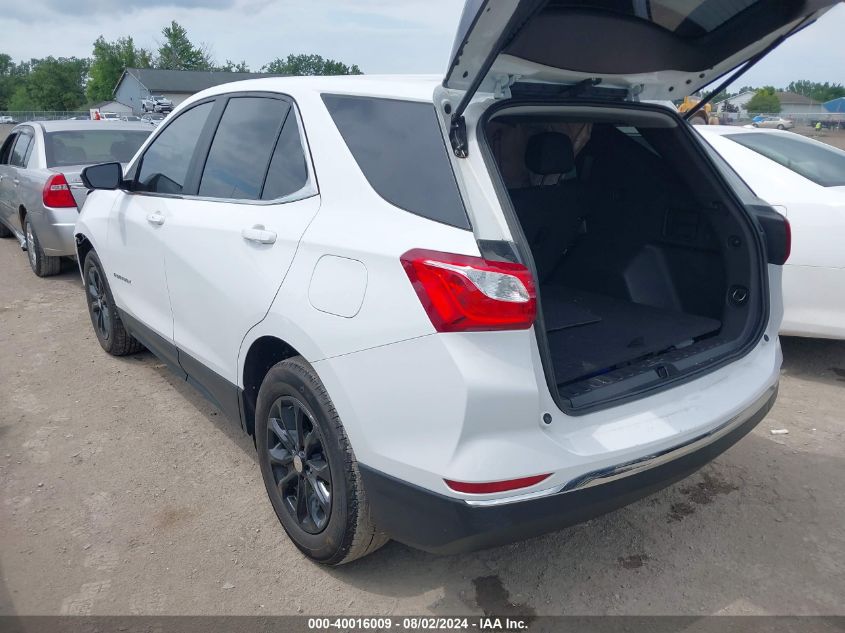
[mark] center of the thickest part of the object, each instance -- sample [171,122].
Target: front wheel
[105,318]
[780,127]
[309,469]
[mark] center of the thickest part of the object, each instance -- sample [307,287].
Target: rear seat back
[551,215]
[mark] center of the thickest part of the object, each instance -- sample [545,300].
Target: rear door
[6,209]
[230,244]
[656,49]
[14,180]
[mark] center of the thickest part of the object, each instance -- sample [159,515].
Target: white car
[461,311]
[805,180]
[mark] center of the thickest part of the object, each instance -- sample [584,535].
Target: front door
[135,258]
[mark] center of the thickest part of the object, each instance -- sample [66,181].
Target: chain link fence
[35,115]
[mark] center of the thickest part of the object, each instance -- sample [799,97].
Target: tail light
[57,193]
[486,487]
[462,293]
[787,248]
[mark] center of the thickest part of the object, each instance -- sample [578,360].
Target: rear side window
[823,165]
[288,172]
[20,149]
[242,147]
[399,148]
[164,167]
[6,150]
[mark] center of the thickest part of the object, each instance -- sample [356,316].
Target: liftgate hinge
[458,136]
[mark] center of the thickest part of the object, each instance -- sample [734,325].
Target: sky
[381,36]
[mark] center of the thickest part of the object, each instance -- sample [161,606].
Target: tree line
[69,83]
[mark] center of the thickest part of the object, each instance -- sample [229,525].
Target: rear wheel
[42,265]
[309,469]
[780,127]
[105,318]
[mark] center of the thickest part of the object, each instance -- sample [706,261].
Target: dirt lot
[124,492]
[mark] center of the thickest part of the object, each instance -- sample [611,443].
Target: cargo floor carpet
[589,333]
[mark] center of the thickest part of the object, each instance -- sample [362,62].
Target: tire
[756,124]
[780,127]
[5,231]
[311,461]
[105,318]
[42,265]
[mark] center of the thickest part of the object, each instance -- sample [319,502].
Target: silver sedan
[40,188]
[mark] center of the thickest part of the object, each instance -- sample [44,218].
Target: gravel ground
[124,492]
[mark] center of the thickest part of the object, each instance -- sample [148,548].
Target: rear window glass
[399,148]
[823,165]
[87,147]
[686,18]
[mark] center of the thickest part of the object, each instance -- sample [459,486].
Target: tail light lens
[463,294]
[787,248]
[57,193]
[486,487]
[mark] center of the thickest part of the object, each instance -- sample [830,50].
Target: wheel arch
[263,353]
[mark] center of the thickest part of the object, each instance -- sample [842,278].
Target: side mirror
[105,176]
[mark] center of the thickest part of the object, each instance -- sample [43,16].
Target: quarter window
[400,150]
[242,148]
[164,167]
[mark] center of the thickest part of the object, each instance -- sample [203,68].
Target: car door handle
[155,218]
[259,234]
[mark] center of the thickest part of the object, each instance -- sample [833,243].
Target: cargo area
[644,263]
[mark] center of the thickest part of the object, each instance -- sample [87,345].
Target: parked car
[805,180]
[152,118]
[464,312]
[7,120]
[40,189]
[156,104]
[131,118]
[773,122]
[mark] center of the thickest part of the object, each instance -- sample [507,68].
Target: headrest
[549,153]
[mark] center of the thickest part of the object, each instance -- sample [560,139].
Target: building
[110,106]
[835,105]
[136,84]
[793,103]
[740,101]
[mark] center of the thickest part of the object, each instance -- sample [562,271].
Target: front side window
[242,147]
[20,149]
[823,165]
[164,166]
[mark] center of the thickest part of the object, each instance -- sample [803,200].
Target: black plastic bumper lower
[435,523]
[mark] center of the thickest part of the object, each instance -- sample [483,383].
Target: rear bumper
[435,523]
[54,228]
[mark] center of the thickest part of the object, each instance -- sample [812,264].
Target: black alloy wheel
[300,468]
[99,301]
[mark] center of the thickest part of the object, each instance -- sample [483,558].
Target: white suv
[459,312]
